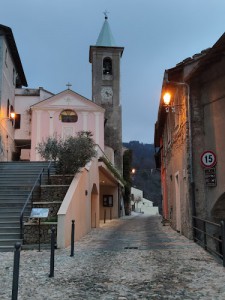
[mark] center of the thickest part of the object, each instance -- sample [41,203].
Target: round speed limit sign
[208,159]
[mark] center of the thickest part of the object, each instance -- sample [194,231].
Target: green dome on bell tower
[105,38]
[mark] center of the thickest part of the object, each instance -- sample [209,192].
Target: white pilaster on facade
[85,120]
[51,123]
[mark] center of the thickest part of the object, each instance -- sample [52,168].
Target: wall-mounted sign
[208,159]
[108,200]
[39,213]
[210,177]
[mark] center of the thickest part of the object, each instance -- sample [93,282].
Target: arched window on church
[68,116]
[107,66]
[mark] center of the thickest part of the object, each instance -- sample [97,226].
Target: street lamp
[167,103]
[167,98]
[133,171]
[12,115]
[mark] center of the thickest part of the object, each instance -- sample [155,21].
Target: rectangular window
[17,121]
[108,200]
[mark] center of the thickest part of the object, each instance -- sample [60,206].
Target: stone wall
[61,180]
[31,232]
[50,193]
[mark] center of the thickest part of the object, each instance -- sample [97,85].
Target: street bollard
[16,268]
[110,214]
[104,215]
[72,238]
[52,256]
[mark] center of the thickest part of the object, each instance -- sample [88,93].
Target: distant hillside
[146,178]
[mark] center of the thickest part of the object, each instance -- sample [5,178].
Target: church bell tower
[105,59]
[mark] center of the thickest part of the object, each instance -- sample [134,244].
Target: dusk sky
[53,39]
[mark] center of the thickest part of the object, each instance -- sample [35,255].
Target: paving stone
[166,265]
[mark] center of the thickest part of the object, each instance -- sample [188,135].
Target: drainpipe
[192,183]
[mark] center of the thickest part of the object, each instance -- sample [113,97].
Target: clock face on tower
[106,92]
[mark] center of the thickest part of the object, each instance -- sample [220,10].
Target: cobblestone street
[131,258]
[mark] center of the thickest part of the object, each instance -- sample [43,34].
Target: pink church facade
[40,119]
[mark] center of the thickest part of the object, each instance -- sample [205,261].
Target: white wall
[141,204]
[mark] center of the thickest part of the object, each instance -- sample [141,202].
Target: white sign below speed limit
[208,159]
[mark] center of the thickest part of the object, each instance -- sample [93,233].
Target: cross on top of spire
[106,14]
[68,85]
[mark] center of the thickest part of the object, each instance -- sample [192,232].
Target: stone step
[19,193]
[9,229]
[15,176]
[10,224]
[9,236]
[11,218]
[12,191]
[11,197]
[12,213]
[11,202]
[23,182]
[7,248]
[12,187]
[21,172]
[10,242]
[18,181]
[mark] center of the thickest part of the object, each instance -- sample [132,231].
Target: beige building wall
[7,94]
[81,204]
[209,124]
[176,163]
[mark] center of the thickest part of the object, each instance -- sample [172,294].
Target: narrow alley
[131,258]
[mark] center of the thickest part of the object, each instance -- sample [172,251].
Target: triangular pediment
[67,99]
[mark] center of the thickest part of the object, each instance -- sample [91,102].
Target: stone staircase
[16,182]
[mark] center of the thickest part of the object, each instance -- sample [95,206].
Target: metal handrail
[206,221]
[28,199]
[206,235]
[49,167]
[102,152]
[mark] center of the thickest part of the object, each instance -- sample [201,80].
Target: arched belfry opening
[107,66]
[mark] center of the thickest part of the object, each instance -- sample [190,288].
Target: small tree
[71,154]
[127,161]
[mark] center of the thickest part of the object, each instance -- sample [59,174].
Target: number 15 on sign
[208,159]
